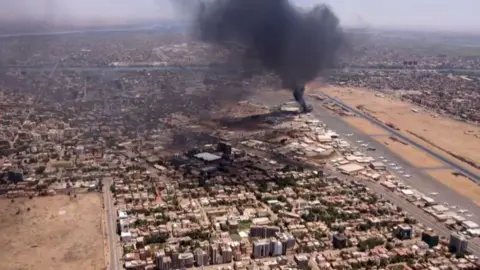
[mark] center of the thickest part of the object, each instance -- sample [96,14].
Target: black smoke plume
[274,36]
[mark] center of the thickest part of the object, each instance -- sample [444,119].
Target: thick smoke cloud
[296,45]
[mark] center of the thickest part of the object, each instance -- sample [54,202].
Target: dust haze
[85,13]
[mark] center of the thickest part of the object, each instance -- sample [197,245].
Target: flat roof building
[207,157]
[377,165]
[261,221]
[470,225]
[351,169]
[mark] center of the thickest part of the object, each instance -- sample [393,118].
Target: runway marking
[410,153]
[472,175]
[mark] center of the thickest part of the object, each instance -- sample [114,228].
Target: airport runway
[392,131]
[419,180]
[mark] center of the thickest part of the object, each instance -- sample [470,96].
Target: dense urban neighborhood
[147,150]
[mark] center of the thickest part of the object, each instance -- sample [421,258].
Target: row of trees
[328,215]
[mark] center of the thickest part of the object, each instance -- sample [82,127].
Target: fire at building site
[295,45]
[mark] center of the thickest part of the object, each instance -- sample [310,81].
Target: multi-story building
[175,259]
[227,254]
[237,255]
[276,248]
[264,231]
[165,264]
[404,231]
[261,248]
[339,241]
[214,253]
[288,241]
[159,255]
[458,243]
[186,259]
[430,238]
[201,257]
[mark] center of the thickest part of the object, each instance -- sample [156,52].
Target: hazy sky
[429,14]
[121,11]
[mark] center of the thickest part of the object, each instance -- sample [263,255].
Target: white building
[351,169]
[124,225]
[276,248]
[36,137]
[122,214]
[126,236]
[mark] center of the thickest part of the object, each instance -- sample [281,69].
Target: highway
[114,251]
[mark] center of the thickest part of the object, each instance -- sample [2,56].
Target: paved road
[414,211]
[463,170]
[421,216]
[418,180]
[111,228]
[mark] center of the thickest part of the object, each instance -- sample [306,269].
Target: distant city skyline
[446,15]
[436,15]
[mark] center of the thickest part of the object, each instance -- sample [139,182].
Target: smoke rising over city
[296,45]
[266,35]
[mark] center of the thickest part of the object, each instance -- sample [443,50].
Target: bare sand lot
[365,126]
[436,149]
[409,153]
[459,183]
[443,133]
[56,233]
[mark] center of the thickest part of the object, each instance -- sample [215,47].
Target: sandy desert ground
[438,132]
[458,183]
[56,233]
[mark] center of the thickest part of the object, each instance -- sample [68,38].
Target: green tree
[275,208]
[40,169]
[155,239]
[262,186]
